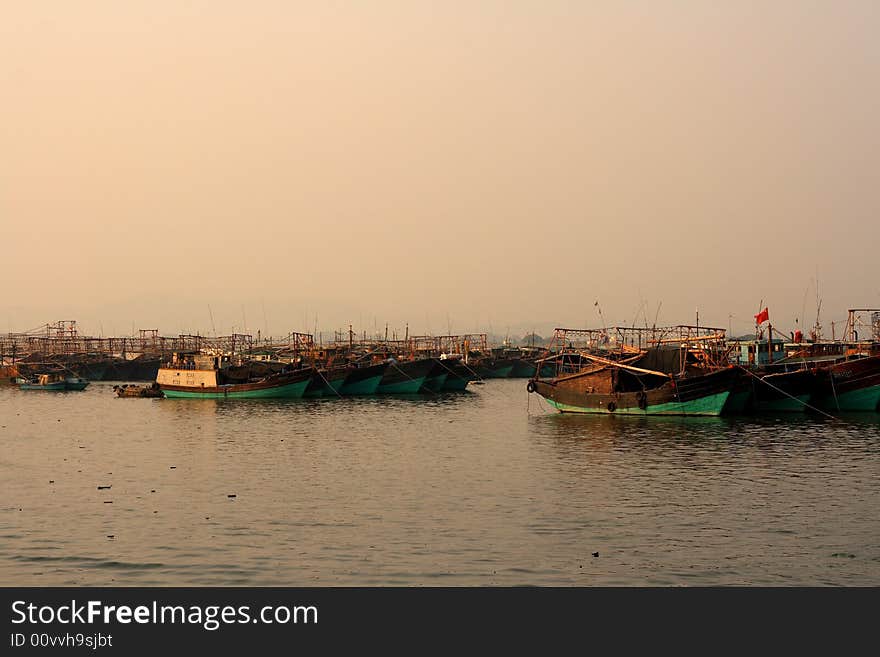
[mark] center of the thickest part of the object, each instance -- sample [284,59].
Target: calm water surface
[482,488]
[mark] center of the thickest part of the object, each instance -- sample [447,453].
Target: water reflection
[470,488]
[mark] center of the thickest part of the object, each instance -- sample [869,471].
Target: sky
[502,166]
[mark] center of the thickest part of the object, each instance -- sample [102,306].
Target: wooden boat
[613,387]
[203,376]
[134,391]
[679,370]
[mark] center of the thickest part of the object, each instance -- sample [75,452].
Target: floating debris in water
[232,495]
[845,555]
[111,536]
[173,467]
[595,554]
[104,487]
[51,481]
[153,491]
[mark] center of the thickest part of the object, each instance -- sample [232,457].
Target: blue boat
[54,382]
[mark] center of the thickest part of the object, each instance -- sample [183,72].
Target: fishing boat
[523,368]
[213,376]
[491,367]
[363,379]
[774,381]
[458,373]
[327,382]
[51,381]
[436,377]
[405,376]
[852,384]
[678,370]
[614,387]
[75,383]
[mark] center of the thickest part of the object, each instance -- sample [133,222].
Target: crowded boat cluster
[695,370]
[238,366]
[675,370]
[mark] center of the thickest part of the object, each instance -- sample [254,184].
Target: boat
[458,373]
[679,370]
[852,384]
[405,376]
[436,377]
[204,376]
[612,387]
[75,383]
[51,381]
[363,379]
[327,382]
[131,390]
[490,367]
[774,382]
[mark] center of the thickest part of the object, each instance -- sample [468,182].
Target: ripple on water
[482,488]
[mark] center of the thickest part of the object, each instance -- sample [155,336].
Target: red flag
[762,316]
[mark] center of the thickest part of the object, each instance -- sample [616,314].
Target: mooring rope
[409,377]
[464,365]
[328,383]
[818,410]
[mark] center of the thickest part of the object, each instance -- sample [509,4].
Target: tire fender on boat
[612,407]
[530,386]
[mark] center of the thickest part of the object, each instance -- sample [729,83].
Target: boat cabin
[757,353]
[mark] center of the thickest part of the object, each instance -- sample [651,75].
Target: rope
[328,383]
[788,395]
[479,378]
[394,365]
[834,390]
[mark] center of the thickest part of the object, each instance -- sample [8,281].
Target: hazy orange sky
[466,165]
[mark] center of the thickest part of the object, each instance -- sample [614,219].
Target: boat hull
[363,380]
[458,376]
[523,369]
[494,368]
[405,377]
[783,392]
[852,385]
[238,391]
[290,385]
[52,387]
